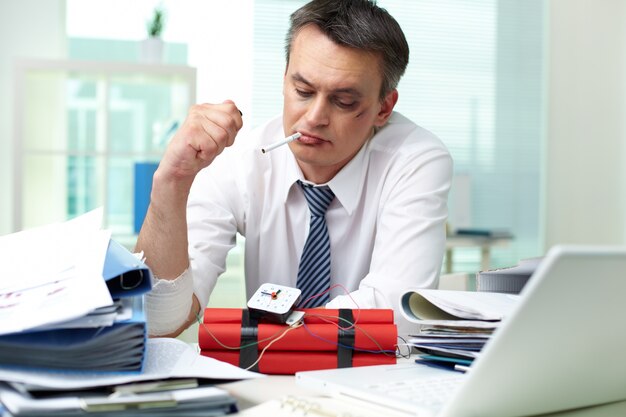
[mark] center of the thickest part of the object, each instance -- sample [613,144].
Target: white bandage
[168,305]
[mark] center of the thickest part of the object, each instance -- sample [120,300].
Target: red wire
[358,309]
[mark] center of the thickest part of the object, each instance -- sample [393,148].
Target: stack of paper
[73,334]
[70,299]
[170,384]
[454,325]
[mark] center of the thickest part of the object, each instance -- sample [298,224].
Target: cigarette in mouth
[281,142]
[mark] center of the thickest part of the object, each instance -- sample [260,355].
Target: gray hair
[359,24]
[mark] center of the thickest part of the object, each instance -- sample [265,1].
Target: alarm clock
[274,302]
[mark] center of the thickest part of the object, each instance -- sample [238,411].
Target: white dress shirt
[386,223]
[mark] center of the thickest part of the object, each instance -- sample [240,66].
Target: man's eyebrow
[297,77]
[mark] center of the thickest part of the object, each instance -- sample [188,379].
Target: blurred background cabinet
[82,126]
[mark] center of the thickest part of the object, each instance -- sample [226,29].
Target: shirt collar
[347,184]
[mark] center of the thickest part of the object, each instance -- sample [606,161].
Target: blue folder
[116,348]
[143,187]
[125,275]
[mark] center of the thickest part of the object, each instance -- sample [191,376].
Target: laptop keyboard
[430,392]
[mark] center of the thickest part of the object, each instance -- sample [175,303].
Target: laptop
[562,348]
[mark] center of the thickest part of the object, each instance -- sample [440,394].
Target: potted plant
[152,47]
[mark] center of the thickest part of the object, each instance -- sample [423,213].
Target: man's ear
[386,107]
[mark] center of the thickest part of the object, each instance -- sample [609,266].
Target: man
[387,181]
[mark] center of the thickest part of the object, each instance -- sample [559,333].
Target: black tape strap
[248,354]
[345,339]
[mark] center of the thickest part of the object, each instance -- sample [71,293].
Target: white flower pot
[152,50]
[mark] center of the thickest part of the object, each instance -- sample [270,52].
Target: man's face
[331,96]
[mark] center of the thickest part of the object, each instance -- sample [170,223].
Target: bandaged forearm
[167,306]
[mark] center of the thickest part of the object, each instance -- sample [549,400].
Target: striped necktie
[314,269]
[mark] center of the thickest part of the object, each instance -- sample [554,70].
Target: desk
[251,393]
[485,243]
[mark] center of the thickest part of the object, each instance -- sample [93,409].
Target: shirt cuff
[168,305]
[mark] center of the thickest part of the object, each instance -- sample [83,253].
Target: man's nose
[318,112]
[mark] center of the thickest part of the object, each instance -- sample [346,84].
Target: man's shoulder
[402,148]
[402,135]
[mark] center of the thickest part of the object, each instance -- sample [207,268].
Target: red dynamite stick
[288,363]
[315,337]
[312,315]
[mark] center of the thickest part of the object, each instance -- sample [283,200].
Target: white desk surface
[252,393]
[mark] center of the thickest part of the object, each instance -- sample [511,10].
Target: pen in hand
[281,142]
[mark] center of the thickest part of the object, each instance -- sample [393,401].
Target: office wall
[585,182]
[28,28]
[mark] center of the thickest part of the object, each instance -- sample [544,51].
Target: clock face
[274,298]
